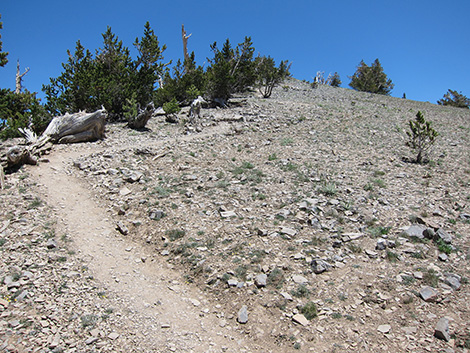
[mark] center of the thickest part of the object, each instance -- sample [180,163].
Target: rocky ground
[293,223]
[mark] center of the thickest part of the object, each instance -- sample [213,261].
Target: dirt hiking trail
[170,314]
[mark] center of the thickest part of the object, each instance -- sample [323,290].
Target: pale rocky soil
[266,187]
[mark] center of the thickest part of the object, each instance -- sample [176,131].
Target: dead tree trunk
[68,128]
[78,127]
[19,77]
[142,117]
[185,47]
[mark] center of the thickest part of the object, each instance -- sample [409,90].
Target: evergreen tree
[20,110]
[184,85]
[74,89]
[268,75]
[113,75]
[3,55]
[421,137]
[371,79]
[454,99]
[335,80]
[231,70]
[148,66]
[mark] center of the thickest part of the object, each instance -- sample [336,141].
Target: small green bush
[309,310]
[422,137]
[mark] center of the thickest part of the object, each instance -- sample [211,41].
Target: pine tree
[268,75]
[455,99]
[3,55]
[371,79]
[75,88]
[231,70]
[422,137]
[148,66]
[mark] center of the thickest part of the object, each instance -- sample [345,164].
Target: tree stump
[142,117]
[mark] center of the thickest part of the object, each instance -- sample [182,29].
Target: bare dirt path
[167,314]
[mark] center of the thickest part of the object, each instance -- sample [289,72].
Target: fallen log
[68,128]
[78,127]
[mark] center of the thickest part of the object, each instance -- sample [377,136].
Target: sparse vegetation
[309,310]
[421,137]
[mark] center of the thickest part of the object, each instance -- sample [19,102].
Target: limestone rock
[261,280]
[442,329]
[300,319]
[243,315]
[320,266]
[428,294]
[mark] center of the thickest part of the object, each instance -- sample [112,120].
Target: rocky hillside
[293,223]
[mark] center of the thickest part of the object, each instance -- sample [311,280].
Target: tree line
[122,84]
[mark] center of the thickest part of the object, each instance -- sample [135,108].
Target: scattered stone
[300,319]
[381,244]
[262,232]
[228,214]
[416,231]
[384,328]
[429,233]
[243,315]
[91,340]
[288,231]
[134,177]
[320,266]
[442,329]
[232,282]
[121,227]
[156,214]
[410,330]
[443,235]
[443,257]
[51,244]
[452,280]
[261,280]
[125,191]
[428,294]
[299,279]
[286,296]
[113,335]
[371,254]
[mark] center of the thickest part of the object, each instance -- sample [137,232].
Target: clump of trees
[371,79]
[126,87]
[455,99]
[332,80]
[111,78]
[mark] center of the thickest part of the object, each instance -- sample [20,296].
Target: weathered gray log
[142,117]
[68,128]
[20,155]
[78,127]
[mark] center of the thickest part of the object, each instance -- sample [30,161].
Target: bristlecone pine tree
[455,99]
[422,137]
[371,79]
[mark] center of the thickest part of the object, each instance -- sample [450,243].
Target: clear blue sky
[423,45]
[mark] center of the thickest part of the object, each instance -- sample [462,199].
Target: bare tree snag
[19,77]
[185,45]
[142,117]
